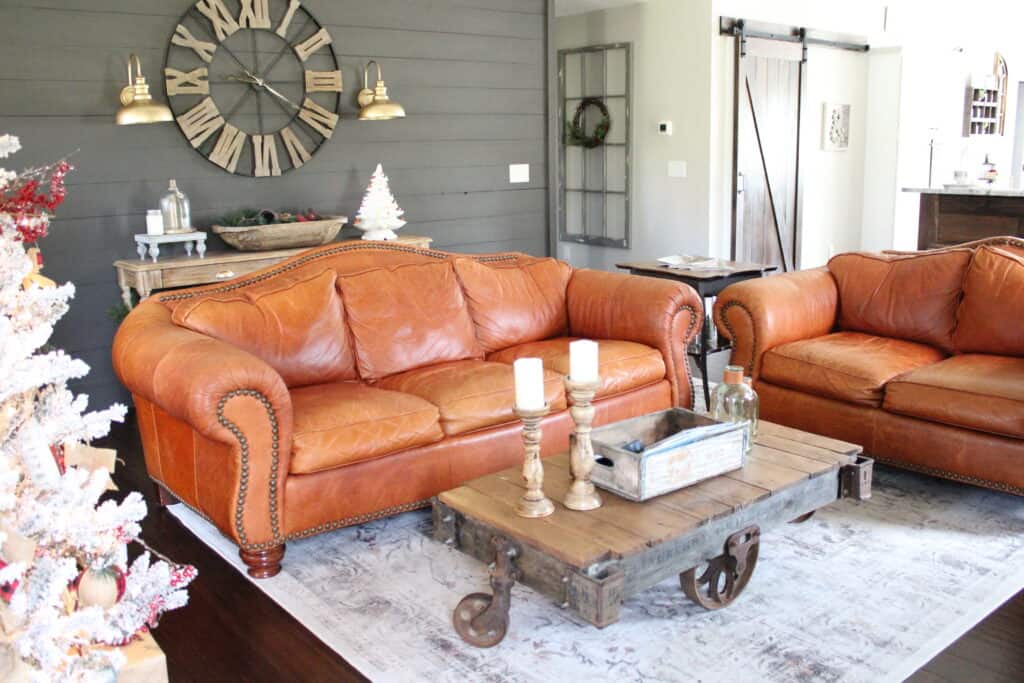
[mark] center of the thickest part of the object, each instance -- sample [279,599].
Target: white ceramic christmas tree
[380,215]
[68,596]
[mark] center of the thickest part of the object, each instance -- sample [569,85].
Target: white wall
[833,182]
[671,81]
[881,154]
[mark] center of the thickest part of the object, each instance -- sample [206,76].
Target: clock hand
[259,82]
[243,79]
[279,96]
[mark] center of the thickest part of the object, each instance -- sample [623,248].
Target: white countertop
[980,190]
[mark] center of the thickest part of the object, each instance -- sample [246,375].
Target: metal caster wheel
[727,575]
[477,624]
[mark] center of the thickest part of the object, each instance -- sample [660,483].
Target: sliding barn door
[768,90]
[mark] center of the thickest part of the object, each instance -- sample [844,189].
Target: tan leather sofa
[917,357]
[358,380]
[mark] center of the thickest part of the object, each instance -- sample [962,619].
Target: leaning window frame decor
[564,119]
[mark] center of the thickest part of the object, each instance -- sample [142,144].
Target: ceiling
[566,7]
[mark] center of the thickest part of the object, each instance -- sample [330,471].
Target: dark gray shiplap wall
[471,74]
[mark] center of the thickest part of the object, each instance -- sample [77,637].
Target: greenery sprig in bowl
[264,230]
[245,218]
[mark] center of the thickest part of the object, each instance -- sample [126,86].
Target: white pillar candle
[529,375]
[154,222]
[583,361]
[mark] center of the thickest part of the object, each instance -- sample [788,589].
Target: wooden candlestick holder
[533,503]
[582,495]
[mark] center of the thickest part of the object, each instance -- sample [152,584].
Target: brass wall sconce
[137,105]
[375,104]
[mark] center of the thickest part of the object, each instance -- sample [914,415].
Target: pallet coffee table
[590,562]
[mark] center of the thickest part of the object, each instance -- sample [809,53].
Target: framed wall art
[836,127]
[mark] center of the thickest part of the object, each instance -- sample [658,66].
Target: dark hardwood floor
[230,631]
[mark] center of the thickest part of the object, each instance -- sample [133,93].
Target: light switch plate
[519,173]
[677,169]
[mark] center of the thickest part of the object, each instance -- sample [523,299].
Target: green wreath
[576,136]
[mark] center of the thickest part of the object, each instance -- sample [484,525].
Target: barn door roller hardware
[744,29]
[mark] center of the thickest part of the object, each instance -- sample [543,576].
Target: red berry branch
[30,198]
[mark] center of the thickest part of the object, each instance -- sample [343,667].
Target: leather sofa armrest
[758,315]
[664,314]
[226,395]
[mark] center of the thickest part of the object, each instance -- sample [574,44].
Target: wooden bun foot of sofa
[263,563]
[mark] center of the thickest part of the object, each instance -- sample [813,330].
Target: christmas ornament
[35,278]
[102,588]
[379,216]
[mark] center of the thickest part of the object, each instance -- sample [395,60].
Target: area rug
[863,592]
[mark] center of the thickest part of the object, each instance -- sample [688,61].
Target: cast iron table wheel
[481,619]
[726,575]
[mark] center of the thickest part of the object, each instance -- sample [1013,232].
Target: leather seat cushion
[348,422]
[515,304]
[847,366]
[407,317]
[623,365]
[985,393]
[295,324]
[992,312]
[912,297]
[471,394]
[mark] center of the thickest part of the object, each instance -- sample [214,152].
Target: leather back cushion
[992,312]
[516,304]
[904,297]
[295,324]
[407,317]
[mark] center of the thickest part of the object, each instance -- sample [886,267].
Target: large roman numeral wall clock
[254,84]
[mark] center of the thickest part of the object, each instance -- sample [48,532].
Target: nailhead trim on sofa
[243,485]
[953,476]
[732,333]
[689,331]
[359,519]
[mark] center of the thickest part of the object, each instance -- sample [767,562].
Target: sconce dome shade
[382,111]
[142,111]
[375,104]
[137,105]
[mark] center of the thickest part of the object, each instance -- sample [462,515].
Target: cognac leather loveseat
[917,357]
[358,380]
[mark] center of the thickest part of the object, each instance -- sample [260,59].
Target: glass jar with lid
[176,211]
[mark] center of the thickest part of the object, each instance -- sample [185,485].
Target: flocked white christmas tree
[67,592]
[379,216]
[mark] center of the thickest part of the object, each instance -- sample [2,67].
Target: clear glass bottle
[736,401]
[176,210]
[757,408]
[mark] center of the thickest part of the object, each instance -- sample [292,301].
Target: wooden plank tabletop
[734,268]
[781,458]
